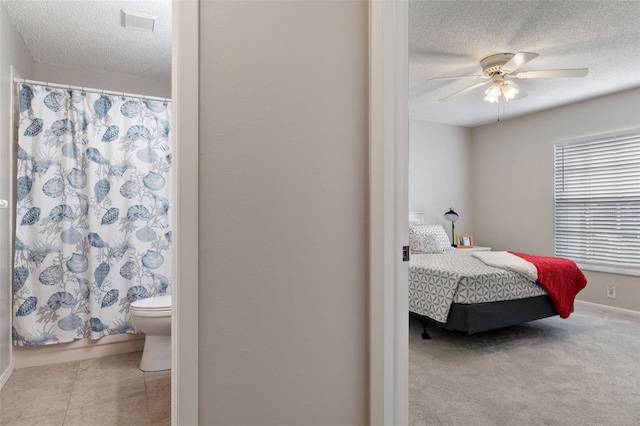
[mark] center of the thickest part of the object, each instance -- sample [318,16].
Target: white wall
[13,52]
[101,80]
[283,213]
[512,163]
[440,175]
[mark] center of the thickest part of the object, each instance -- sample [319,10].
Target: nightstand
[475,248]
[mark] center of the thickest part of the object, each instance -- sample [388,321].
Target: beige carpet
[584,370]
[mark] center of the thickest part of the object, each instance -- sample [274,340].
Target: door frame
[388,211]
[184,181]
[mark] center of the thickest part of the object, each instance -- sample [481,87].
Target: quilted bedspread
[438,280]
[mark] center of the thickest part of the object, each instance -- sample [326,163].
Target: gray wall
[512,163]
[13,52]
[440,174]
[283,213]
[101,80]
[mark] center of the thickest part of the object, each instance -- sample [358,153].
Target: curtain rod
[89,89]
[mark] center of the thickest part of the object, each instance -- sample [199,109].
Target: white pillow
[418,233]
[421,243]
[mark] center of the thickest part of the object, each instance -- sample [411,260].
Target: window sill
[609,269]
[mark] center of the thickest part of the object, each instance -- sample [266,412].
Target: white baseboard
[607,307]
[33,356]
[5,376]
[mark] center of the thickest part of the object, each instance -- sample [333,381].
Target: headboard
[417,217]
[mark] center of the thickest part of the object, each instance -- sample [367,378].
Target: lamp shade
[451,215]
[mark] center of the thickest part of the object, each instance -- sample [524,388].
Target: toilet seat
[159,306]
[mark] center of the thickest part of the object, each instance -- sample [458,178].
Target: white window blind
[597,203]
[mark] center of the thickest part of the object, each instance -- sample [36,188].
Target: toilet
[152,316]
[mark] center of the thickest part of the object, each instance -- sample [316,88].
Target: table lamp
[452,216]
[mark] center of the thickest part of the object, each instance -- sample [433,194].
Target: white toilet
[152,316]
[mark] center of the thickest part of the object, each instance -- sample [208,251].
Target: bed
[456,290]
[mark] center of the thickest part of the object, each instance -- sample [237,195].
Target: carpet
[584,370]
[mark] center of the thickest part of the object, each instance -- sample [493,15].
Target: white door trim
[388,210]
[184,181]
[13,126]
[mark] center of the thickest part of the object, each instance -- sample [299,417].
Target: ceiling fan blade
[457,77]
[466,89]
[518,60]
[575,72]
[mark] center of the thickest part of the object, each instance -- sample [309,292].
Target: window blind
[597,203]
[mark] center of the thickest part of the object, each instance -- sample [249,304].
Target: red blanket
[561,279]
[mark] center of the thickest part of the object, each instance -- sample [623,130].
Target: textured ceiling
[449,38]
[87,34]
[445,38]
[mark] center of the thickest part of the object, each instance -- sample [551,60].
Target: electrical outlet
[611,292]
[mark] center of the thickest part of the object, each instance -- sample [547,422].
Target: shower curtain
[92,213]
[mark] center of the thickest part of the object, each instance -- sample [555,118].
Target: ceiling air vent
[138,21]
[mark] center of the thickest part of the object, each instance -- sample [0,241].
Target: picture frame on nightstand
[464,240]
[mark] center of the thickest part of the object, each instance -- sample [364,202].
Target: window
[597,203]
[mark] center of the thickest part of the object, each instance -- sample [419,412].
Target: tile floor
[100,391]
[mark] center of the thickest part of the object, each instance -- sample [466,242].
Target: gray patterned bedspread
[438,280]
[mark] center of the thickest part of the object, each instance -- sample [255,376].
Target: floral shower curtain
[92,231]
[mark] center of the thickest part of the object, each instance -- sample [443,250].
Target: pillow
[421,243]
[440,235]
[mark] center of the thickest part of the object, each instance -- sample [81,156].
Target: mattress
[438,280]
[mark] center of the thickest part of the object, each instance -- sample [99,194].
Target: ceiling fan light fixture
[492,98]
[493,92]
[509,92]
[500,87]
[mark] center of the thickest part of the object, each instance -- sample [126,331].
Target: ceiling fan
[499,70]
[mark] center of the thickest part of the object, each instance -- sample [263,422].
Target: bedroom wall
[512,166]
[13,52]
[439,174]
[283,213]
